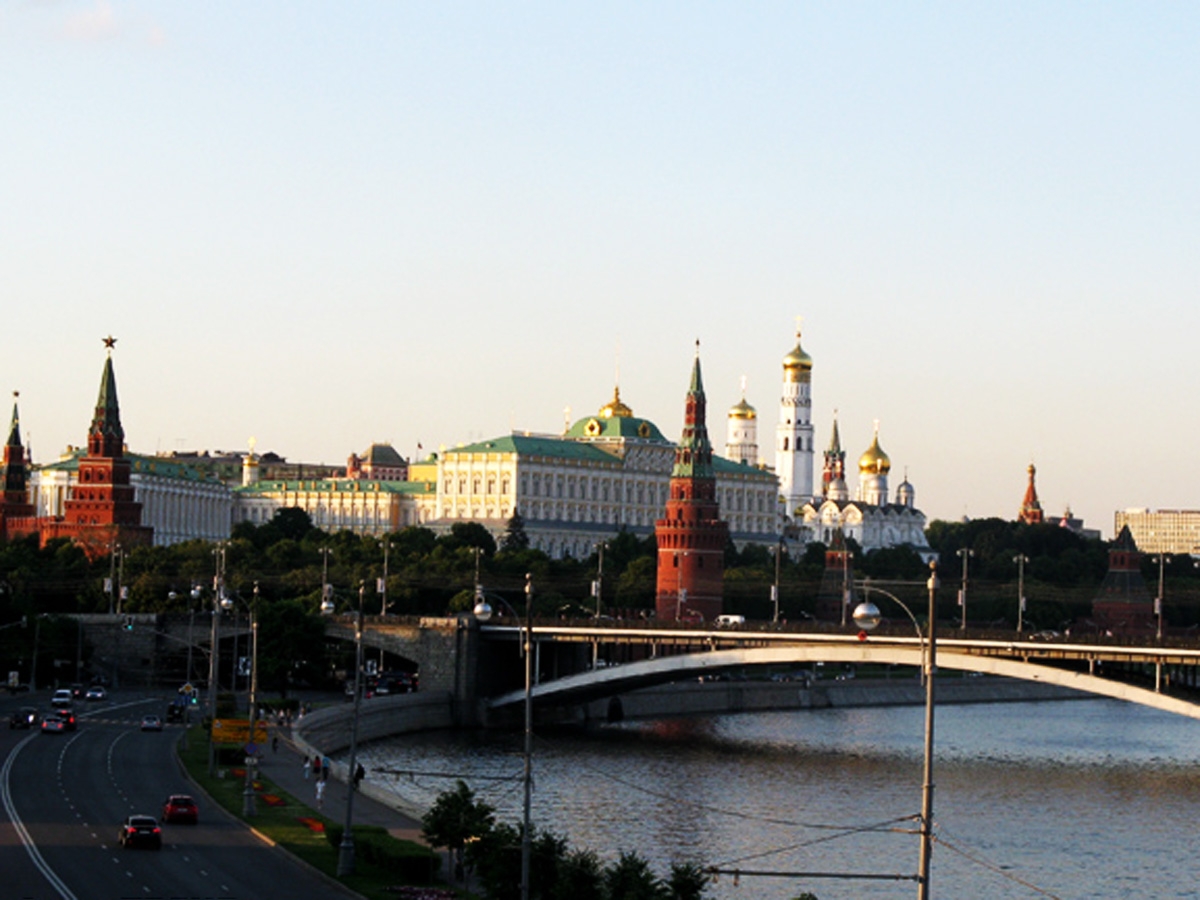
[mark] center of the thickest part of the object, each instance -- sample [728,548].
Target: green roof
[337,486]
[149,465]
[528,445]
[595,428]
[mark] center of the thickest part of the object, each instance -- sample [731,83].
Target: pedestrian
[326,765]
[320,794]
[275,744]
[307,768]
[359,774]
[316,767]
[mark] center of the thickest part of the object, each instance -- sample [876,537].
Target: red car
[180,808]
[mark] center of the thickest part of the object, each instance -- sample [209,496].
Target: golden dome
[798,359]
[874,461]
[616,407]
[743,410]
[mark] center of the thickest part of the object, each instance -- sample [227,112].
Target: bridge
[482,667]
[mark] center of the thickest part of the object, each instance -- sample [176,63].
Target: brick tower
[101,509]
[16,512]
[1031,508]
[691,535]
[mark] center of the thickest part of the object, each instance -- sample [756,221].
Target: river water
[1082,799]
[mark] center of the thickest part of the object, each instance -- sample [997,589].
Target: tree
[291,645]
[515,538]
[630,878]
[579,877]
[687,881]
[469,534]
[456,817]
[292,522]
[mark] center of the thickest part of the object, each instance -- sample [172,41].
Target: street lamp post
[846,557]
[213,657]
[680,590]
[345,863]
[867,616]
[775,586]
[1158,600]
[965,553]
[326,587]
[249,804]
[598,584]
[483,612]
[1020,560]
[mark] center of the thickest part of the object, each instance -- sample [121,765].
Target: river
[1089,799]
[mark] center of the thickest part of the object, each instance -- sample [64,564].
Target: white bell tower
[794,434]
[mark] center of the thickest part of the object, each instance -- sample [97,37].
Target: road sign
[188,688]
[251,749]
[237,731]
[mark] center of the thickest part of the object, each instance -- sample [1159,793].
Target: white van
[730,621]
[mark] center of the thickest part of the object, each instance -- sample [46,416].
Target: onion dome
[615,407]
[742,410]
[797,361]
[874,461]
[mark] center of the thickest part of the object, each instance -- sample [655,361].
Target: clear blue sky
[329,224]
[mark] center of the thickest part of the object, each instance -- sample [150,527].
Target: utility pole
[1020,560]
[966,553]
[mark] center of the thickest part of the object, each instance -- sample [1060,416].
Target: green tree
[291,645]
[515,538]
[687,881]
[580,877]
[630,878]
[455,818]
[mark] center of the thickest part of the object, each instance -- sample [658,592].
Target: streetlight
[966,553]
[867,616]
[1158,601]
[868,620]
[775,587]
[483,612]
[213,667]
[345,862]
[249,805]
[846,557]
[680,590]
[381,584]
[326,587]
[1020,560]
[598,584]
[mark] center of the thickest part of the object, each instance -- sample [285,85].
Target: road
[64,796]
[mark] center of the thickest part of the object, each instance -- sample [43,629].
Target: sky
[323,225]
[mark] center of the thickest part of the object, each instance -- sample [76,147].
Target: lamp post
[1020,559]
[249,805]
[326,587]
[846,557]
[213,657]
[598,584]
[382,584]
[775,586]
[680,590]
[483,612]
[867,616]
[1158,600]
[345,863]
[965,553]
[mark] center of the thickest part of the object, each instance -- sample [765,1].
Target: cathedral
[871,516]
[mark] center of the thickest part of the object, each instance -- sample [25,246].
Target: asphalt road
[64,795]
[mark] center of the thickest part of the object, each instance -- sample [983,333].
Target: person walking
[320,794]
[326,765]
[316,767]
[307,768]
[359,774]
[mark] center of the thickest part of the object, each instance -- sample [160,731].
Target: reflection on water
[1093,798]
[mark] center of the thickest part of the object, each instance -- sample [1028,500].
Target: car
[25,717]
[151,723]
[96,692]
[140,831]
[52,724]
[174,713]
[77,691]
[62,697]
[68,718]
[180,808]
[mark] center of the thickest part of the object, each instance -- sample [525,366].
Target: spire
[693,456]
[835,439]
[106,437]
[14,431]
[1031,509]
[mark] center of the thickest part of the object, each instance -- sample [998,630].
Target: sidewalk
[285,767]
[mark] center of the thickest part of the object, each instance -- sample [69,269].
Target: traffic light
[128,623]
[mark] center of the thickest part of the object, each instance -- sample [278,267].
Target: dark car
[77,691]
[174,713]
[151,723]
[25,717]
[68,718]
[180,808]
[141,831]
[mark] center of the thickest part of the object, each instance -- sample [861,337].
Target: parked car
[180,808]
[141,831]
[151,723]
[25,717]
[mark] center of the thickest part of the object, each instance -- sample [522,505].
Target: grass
[299,829]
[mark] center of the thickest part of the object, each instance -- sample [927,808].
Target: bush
[410,863]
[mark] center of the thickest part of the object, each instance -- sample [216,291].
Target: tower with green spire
[691,535]
[101,510]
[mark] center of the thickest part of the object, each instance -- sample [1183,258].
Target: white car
[62,697]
